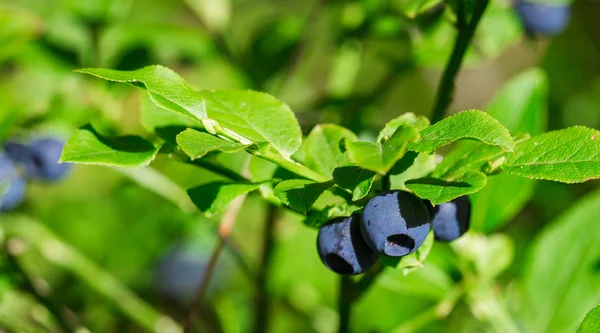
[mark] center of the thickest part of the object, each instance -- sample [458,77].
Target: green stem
[465,35]
[262,303]
[345,299]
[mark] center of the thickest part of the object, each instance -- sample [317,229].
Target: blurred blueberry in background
[12,187]
[179,272]
[40,158]
[542,19]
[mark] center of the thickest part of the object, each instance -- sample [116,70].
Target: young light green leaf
[382,157]
[322,148]
[87,146]
[471,124]
[316,218]
[166,89]
[418,122]
[443,190]
[300,194]
[591,322]
[571,155]
[561,281]
[196,144]
[255,117]
[355,179]
[213,198]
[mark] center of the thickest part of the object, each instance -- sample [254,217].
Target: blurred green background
[531,265]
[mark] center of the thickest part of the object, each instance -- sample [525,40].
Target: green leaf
[471,124]
[354,179]
[87,146]
[382,157]
[571,155]
[213,198]
[521,107]
[443,190]
[255,117]
[196,144]
[300,194]
[418,122]
[322,148]
[561,281]
[521,104]
[167,89]
[316,218]
[466,156]
[412,261]
[591,322]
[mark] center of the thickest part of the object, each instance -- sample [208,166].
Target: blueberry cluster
[395,224]
[543,19]
[36,160]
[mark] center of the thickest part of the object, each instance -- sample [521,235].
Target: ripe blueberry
[395,223]
[542,18]
[40,158]
[342,247]
[12,187]
[451,219]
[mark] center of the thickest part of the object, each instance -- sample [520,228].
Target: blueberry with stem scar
[395,223]
[451,219]
[342,248]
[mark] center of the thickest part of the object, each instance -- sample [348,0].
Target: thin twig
[225,228]
[262,309]
[52,307]
[345,300]
[446,87]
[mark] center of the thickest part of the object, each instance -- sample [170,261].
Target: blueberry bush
[312,166]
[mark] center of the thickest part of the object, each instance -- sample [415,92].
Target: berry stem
[445,89]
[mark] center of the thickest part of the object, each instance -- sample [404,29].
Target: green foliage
[197,144]
[521,107]
[251,116]
[471,124]
[561,281]
[300,194]
[354,179]
[381,157]
[213,198]
[323,148]
[591,322]
[87,146]
[167,89]
[439,190]
[570,155]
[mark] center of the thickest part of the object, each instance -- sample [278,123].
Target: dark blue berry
[342,248]
[451,219]
[12,187]
[542,18]
[395,223]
